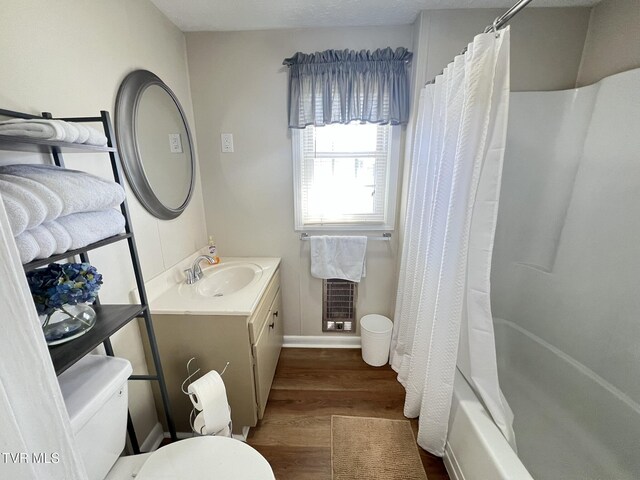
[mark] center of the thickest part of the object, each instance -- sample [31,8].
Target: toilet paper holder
[193,414]
[191,375]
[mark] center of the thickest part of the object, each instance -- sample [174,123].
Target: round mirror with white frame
[155,144]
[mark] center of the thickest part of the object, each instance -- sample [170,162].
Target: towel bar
[384,236]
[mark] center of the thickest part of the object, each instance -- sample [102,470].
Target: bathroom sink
[223,279]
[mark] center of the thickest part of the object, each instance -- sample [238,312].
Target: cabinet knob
[272,324]
[275,314]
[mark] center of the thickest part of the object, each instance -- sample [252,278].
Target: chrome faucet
[193,274]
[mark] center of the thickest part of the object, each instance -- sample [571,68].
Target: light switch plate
[175,143]
[227,142]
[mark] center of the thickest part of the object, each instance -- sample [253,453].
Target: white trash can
[375,335]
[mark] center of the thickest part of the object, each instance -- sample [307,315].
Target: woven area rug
[364,448]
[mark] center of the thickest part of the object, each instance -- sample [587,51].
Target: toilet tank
[95,393]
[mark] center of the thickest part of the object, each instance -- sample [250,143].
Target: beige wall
[239,86]
[69,57]
[613,40]
[546,43]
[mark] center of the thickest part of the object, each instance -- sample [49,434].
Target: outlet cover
[175,143]
[227,142]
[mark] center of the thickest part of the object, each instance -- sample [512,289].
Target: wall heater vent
[339,305]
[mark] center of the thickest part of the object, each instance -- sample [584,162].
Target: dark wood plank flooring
[311,385]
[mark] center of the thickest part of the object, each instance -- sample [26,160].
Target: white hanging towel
[340,257]
[209,395]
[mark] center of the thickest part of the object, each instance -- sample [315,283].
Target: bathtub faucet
[193,274]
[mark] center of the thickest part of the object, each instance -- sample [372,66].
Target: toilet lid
[220,458]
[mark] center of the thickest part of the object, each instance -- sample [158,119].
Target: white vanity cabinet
[251,344]
[266,351]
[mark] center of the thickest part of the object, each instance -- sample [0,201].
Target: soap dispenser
[213,250]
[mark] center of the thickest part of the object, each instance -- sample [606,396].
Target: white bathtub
[570,423]
[476,449]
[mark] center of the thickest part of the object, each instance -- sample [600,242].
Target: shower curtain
[443,312]
[35,435]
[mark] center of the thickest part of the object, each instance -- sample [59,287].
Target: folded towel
[89,227]
[34,128]
[34,208]
[17,214]
[47,129]
[27,247]
[338,257]
[71,132]
[60,235]
[46,243]
[95,138]
[78,191]
[83,133]
[48,199]
[67,233]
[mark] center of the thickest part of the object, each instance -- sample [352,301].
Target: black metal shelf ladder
[55,149]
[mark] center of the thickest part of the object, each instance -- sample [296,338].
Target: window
[345,176]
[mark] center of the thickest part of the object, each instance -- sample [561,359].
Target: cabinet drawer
[266,352]
[260,316]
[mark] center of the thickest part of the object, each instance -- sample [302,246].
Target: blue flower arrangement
[68,284]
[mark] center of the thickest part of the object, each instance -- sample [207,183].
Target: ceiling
[217,15]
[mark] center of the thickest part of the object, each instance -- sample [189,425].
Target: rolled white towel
[34,128]
[35,208]
[49,129]
[27,247]
[83,133]
[48,198]
[61,236]
[78,191]
[46,243]
[17,214]
[95,138]
[89,227]
[71,132]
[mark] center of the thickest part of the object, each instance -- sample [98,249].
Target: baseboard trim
[153,440]
[321,341]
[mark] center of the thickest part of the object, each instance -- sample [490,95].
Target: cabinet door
[266,352]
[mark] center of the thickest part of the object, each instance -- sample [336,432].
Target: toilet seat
[219,458]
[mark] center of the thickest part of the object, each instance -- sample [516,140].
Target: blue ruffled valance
[340,86]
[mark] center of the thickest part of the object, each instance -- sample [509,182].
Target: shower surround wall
[565,279]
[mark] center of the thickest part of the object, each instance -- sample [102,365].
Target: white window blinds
[343,175]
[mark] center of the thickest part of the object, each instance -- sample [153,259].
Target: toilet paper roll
[200,428]
[209,395]
[198,424]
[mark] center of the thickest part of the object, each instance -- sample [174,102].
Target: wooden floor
[311,385]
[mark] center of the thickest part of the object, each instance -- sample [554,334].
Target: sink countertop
[241,303]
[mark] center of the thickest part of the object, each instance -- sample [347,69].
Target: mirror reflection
[163,146]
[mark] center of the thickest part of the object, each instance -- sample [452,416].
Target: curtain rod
[497,24]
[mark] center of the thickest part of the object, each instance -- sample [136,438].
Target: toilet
[95,393]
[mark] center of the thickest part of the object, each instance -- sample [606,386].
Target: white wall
[239,86]
[69,57]
[613,40]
